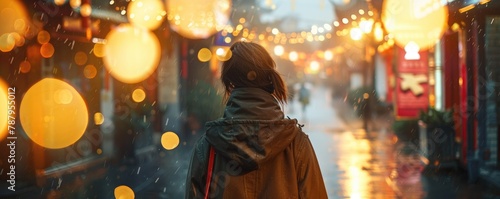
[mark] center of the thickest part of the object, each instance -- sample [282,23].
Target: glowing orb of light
[204,55]
[124,192]
[99,50]
[424,25]
[43,37]
[132,54]
[13,17]
[223,54]
[85,10]
[146,13]
[98,118]
[3,109]
[138,95]
[293,56]
[25,66]
[279,50]
[7,42]
[89,71]
[198,19]
[169,140]
[80,58]
[59,2]
[47,50]
[53,114]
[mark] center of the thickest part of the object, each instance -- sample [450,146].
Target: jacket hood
[253,129]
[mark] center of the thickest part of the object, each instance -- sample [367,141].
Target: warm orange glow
[47,50]
[13,17]
[198,19]
[53,114]
[80,58]
[422,22]
[132,54]
[89,71]
[3,109]
[85,10]
[138,95]
[43,37]
[146,13]
[293,56]
[169,140]
[124,192]
[25,66]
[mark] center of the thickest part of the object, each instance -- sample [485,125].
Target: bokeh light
[85,10]
[98,118]
[53,114]
[198,19]
[124,192]
[3,109]
[43,37]
[89,71]
[204,55]
[328,55]
[279,50]
[132,54]
[169,140]
[47,50]
[13,17]
[99,50]
[59,2]
[7,42]
[25,66]
[293,56]
[223,54]
[75,3]
[146,13]
[424,24]
[80,58]
[138,95]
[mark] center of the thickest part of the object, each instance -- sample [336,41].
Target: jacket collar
[252,104]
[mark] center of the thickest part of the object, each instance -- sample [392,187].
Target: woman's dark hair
[251,65]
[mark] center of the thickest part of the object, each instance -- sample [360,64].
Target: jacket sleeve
[195,181]
[310,179]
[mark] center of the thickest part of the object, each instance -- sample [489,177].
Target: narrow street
[360,165]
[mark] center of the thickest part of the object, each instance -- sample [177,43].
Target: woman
[258,153]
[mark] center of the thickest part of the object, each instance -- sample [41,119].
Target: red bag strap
[209,171]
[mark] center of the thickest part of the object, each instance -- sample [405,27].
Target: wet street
[357,164]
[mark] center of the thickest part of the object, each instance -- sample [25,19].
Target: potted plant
[440,133]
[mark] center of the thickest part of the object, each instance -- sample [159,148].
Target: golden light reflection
[198,19]
[98,118]
[355,153]
[89,71]
[25,66]
[424,25]
[204,55]
[132,54]
[169,140]
[138,95]
[124,192]
[146,13]
[47,50]
[53,114]
[3,109]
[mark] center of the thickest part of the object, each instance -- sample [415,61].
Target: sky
[308,13]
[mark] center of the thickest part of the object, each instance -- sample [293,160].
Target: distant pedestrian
[304,95]
[253,151]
